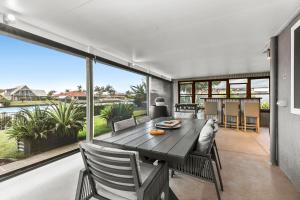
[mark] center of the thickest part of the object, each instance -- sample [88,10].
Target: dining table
[172,146]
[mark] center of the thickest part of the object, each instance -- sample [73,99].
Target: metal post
[273,101]
[89,100]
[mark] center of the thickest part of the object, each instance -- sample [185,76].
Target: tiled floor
[36,158]
[247,175]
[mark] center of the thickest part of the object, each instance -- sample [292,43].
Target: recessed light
[8,18]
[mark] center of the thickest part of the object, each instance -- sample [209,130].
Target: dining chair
[114,174]
[123,124]
[184,115]
[232,109]
[142,119]
[252,110]
[210,110]
[199,162]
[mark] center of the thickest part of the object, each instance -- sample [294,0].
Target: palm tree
[110,89]
[99,90]
[79,88]
[139,93]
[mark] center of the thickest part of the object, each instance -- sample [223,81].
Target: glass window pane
[236,81]
[186,99]
[260,86]
[185,88]
[200,99]
[201,87]
[219,96]
[264,100]
[218,87]
[238,91]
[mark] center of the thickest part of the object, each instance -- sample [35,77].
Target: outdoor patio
[246,173]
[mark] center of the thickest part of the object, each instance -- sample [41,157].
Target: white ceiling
[178,38]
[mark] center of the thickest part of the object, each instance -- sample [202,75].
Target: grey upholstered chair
[143,119]
[118,175]
[123,124]
[215,126]
[199,162]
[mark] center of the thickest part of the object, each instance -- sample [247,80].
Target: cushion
[124,124]
[144,119]
[184,115]
[110,193]
[204,139]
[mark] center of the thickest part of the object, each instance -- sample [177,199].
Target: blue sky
[23,63]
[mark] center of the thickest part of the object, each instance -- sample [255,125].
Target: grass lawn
[29,103]
[137,113]
[100,127]
[8,147]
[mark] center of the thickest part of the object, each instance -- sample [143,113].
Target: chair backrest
[205,139]
[211,108]
[232,108]
[143,119]
[184,115]
[124,124]
[251,109]
[110,169]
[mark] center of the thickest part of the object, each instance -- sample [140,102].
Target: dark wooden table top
[172,146]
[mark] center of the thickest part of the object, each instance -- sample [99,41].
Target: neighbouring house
[23,92]
[72,95]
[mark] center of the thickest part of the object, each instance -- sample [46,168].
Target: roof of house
[40,93]
[71,94]
[11,91]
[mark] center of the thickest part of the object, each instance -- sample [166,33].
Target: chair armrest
[84,190]
[198,153]
[155,184]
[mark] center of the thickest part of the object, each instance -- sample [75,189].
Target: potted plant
[44,129]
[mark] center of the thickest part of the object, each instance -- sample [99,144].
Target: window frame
[210,93]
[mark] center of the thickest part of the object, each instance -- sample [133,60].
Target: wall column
[89,100]
[273,101]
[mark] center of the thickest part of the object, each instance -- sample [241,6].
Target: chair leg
[219,176]
[258,124]
[217,152]
[225,121]
[245,123]
[215,180]
[172,173]
[237,123]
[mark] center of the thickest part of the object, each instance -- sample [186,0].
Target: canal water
[17,109]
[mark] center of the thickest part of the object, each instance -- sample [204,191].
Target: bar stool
[210,110]
[232,109]
[251,109]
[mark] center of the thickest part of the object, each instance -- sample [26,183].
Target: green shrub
[31,124]
[5,102]
[116,112]
[265,106]
[67,117]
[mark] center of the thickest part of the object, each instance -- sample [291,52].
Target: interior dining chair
[123,124]
[252,110]
[211,110]
[232,110]
[114,174]
[215,126]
